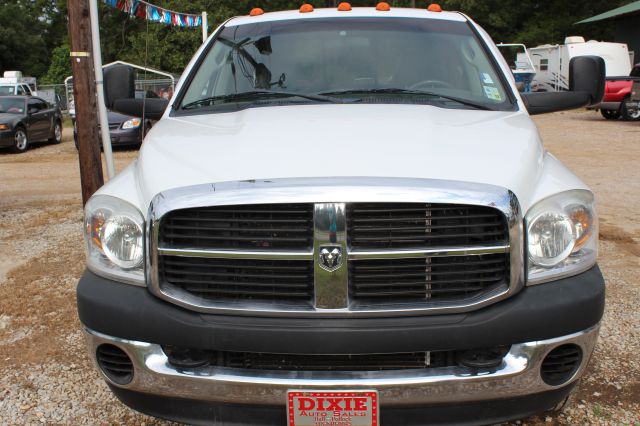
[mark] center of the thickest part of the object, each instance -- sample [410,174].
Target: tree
[22,48]
[33,32]
[60,67]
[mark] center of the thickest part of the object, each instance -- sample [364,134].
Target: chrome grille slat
[439,282]
[389,227]
[224,279]
[241,227]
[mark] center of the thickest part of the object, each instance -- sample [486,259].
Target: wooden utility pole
[84,95]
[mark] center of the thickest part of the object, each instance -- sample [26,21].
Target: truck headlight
[131,124]
[114,234]
[562,236]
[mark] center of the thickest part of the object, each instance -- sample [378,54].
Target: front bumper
[533,322]
[519,375]
[127,137]
[7,138]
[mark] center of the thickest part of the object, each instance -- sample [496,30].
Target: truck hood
[310,141]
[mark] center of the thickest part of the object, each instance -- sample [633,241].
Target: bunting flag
[144,10]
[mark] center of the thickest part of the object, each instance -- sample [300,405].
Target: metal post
[205,25]
[102,109]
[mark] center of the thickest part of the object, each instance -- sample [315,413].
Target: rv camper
[552,61]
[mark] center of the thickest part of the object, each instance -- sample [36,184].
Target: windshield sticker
[486,78]
[492,93]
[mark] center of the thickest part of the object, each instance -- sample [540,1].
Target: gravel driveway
[47,378]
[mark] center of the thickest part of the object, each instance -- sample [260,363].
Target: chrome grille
[260,247]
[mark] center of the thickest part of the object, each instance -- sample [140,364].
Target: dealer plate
[332,408]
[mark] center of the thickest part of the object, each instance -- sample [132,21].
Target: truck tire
[610,114]
[629,115]
[20,140]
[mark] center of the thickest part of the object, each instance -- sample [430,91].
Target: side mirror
[120,93]
[586,88]
[119,83]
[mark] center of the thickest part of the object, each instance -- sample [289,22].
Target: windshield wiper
[397,91]
[262,94]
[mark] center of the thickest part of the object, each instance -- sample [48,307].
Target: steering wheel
[431,84]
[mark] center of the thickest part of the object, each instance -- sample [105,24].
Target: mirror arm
[544,102]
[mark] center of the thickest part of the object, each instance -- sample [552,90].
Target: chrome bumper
[518,376]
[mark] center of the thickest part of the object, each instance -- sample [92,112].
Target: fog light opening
[115,364]
[561,364]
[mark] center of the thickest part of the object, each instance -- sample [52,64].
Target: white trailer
[552,61]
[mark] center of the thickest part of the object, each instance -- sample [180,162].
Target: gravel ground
[48,378]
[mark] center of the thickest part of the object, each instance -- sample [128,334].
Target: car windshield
[12,105]
[7,90]
[369,60]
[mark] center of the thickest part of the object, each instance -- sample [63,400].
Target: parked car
[346,217]
[27,119]
[617,93]
[125,130]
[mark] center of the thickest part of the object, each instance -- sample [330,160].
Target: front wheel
[629,114]
[56,136]
[610,114]
[20,140]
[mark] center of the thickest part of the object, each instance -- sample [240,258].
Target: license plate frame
[311,407]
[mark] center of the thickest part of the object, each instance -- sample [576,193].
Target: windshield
[12,105]
[7,90]
[371,60]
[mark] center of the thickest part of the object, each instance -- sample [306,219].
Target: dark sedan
[125,130]
[27,119]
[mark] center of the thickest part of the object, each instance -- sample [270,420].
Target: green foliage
[22,46]
[535,22]
[60,67]
[34,32]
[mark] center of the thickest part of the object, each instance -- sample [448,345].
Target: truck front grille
[385,258]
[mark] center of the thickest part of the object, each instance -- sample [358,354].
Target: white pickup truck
[14,84]
[345,217]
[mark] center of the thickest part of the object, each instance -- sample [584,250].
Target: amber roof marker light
[256,11]
[434,7]
[383,7]
[344,7]
[306,8]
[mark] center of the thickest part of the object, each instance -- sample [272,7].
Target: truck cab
[345,216]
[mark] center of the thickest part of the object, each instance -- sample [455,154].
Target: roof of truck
[360,12]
